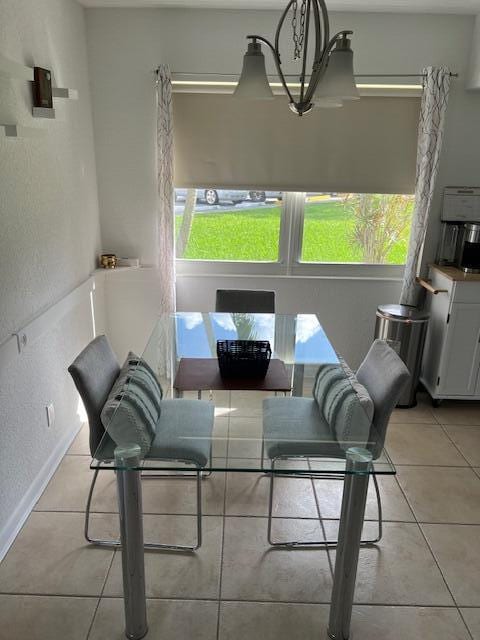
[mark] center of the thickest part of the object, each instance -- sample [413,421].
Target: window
[228,224]
[228,154]
[356,227]
[290,232]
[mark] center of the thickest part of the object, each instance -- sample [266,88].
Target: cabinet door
[460,359]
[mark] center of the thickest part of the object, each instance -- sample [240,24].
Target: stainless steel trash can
[404,329]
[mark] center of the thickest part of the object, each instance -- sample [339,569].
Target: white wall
[126,45]
[473,75]
[127,307]
[49,237]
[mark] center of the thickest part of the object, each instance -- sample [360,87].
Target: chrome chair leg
[316,543]
[148,545]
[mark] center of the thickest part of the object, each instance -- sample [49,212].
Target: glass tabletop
[304,416]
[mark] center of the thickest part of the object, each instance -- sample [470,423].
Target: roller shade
[367,146]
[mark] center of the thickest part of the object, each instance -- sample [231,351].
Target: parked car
[262,196]
[274,195]
[212,195]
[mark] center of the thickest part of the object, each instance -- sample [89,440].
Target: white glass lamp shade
[253,83]
[338,82]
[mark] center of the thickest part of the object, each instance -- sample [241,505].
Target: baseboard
[9,532]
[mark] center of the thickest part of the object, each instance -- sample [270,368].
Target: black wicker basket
[243,358]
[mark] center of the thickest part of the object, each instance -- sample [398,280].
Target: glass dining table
[301,345]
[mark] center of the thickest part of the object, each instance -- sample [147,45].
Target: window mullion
[284,239]
[297,210]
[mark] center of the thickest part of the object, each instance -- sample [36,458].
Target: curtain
[430,136]
[166,213]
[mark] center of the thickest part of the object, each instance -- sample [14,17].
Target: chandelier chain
[298,29]
[294,29]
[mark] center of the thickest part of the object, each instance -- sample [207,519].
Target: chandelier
[331,79]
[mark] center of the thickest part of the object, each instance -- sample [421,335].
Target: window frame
[289,257]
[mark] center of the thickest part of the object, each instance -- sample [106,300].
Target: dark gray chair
[94,373]
[244,301]
[384,375]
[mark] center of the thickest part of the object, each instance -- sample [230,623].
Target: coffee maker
[460,235]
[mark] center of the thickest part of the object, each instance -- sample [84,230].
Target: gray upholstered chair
[384,376]
[244,301]
[95,371]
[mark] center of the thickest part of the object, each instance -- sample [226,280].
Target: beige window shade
[367,146]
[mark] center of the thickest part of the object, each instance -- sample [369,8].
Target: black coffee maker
[460,238]
[469,249]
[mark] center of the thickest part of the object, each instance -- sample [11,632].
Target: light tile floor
[421,581]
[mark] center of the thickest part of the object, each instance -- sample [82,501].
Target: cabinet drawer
[466,292]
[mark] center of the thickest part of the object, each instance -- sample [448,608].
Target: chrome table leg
[129,489]
[354,499]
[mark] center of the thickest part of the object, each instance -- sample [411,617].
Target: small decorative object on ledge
[108,260]
[42,88]
[42,94]
[243,358]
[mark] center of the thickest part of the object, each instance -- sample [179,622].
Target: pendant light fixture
[331,79]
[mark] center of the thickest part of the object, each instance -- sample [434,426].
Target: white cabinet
[451,360]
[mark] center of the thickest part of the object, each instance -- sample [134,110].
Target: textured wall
[49,236]
[48,201]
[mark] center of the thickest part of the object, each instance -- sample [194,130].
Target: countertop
[452,273]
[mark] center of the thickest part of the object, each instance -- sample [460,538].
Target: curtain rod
[293,75]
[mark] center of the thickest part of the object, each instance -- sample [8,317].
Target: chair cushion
[364,398]
[348,413]
[295,426]
[133,407]
[184,431]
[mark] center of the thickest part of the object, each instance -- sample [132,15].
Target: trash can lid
[402,312]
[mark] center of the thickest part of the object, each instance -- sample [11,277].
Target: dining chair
[244,301]
[180,430]
[321,427]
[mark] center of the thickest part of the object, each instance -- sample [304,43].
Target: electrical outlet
[50,414]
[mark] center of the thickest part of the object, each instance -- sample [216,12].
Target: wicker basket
[243,358]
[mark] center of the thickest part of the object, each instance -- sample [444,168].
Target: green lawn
[253,234]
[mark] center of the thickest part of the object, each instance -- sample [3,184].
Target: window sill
[200,268]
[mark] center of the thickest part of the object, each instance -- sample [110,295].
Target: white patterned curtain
[430,136]
[166,212]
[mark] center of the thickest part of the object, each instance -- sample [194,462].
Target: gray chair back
[384,375]
[94,371]
[245,301]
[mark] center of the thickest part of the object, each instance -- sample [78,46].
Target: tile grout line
[444,429]
[207,599]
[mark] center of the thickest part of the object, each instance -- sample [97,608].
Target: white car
[212,195]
